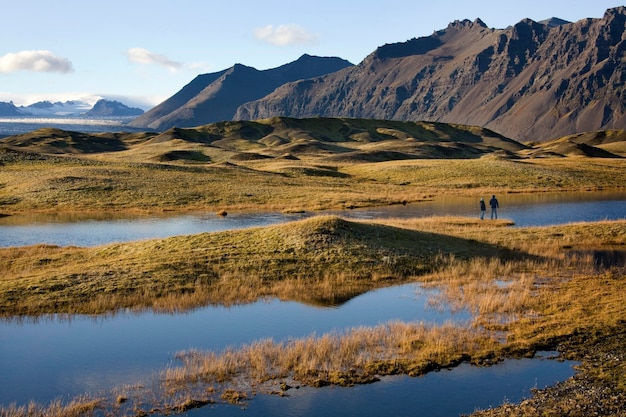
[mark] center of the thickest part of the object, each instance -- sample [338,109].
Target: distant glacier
[17,125]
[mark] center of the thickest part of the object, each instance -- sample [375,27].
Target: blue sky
[143,51]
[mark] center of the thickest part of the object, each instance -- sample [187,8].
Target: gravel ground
[598,389]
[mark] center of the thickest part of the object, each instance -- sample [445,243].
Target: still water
[54,356]
[63,357]
[524,209]
[446,393]
[57,357]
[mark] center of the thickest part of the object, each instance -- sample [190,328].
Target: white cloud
[143,56]
[284,35]
[39,61]
[199,66]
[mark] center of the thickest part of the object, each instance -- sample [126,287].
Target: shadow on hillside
[393,256]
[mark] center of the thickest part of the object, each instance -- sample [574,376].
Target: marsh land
[528,288]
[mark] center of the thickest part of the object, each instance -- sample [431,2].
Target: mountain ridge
[531,81]
[71,108]
[214,97]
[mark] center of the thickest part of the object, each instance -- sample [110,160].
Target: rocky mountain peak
[529,81]
[112,108]
[215,97]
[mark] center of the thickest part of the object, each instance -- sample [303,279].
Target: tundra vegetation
[528,289]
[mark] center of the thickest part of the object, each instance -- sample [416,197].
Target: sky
[141,52]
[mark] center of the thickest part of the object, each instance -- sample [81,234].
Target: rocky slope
[215,97]
[533,81]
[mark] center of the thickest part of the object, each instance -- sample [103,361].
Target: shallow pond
[524,209]
[49,357]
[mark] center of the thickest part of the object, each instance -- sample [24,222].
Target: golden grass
[358,355]
[317,260]
[527,289]
[104,182]
[79,407]
[519,306]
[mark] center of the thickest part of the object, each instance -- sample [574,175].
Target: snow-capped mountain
[57,109]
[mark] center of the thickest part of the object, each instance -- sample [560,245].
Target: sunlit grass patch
[78,407]
[355,356]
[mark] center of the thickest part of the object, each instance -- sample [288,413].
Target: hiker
[482,208]
[493,203]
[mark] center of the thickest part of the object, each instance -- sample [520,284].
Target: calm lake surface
[67,356]
[524,209]
[54,356]
[59,357]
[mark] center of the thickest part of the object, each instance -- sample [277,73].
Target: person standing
[482,208]
[493,203]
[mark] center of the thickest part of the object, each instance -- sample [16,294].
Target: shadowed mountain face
[109,108]
[531,82]
[215,97]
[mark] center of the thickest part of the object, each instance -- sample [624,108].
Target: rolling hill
[334,141]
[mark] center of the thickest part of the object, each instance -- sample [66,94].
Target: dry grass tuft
[358,355]
[79,407]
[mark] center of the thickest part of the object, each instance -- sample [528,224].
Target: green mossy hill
[336,136]
[280,135]
[600,144]
[319,246]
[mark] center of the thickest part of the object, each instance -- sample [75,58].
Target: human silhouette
[482,208]
[493,203]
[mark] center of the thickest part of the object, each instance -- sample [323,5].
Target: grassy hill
[339,139]
[292,164]
[332,257]
[531,288]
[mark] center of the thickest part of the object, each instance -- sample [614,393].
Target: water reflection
[536,209]
[23,230]
[440,394]
[44,358]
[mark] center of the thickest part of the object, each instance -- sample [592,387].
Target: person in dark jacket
[482,208]
[493,203]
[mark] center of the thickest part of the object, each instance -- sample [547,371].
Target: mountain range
[216,97]
[73,108]
[532,81]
